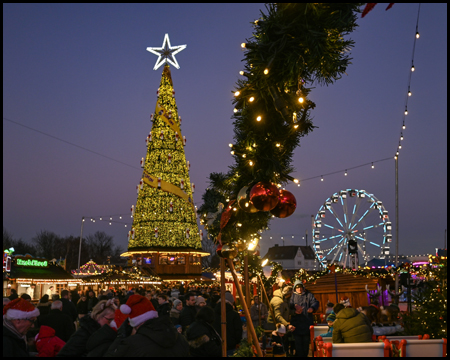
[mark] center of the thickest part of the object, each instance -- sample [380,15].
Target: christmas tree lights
[164,216]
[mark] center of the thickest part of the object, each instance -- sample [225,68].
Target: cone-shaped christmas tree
[164,216]
[165,230]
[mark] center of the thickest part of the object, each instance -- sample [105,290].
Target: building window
[181,260]
[299,262]
[171,259]
[163,260]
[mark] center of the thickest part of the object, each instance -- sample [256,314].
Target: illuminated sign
[31,262]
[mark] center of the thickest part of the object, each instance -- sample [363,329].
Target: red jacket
[47,344]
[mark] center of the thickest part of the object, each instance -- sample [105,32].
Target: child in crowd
[330,320]
[278,341]
[329,309]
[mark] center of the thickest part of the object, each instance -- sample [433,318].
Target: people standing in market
[13,295]
[163,305]
[102,313]
[303,304]
[19,316]
[151,335]
[50,291]
[69,307]
[258,311]
[351,326]
[56,319]
[187,315]
[203,339]
[234,325]
[175,312]
[82,306]
[280,307]
[92,300]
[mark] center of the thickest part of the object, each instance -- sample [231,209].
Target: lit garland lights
[165,215]
[287,54]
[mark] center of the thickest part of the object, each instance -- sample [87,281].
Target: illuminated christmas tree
[164,216]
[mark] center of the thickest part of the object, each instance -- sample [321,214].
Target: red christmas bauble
[244,201]
[219,250]
[286,206]
[226,214]
[264,196]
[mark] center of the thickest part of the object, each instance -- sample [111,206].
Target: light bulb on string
[241,72]
[406,111]
[258,118]
[399,146]
[120,217]
[417,35]
[235,110]
[404,126]
[412,68]
[401,136]
[373,166]
[243,45]
[321,178]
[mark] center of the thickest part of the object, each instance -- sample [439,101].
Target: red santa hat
[19,309]
[139,309]
[119,318]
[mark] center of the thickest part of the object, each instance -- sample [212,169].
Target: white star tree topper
[166,53]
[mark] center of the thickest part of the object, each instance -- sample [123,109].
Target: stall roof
[52,272]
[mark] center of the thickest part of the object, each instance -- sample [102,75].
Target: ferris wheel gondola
[350,226]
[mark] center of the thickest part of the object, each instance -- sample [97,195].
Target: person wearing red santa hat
[18,316]
[151,334]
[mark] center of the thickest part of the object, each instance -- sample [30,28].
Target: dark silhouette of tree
[20,246]
[101,246]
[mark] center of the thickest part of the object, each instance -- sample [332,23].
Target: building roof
[52,272]
[289,252]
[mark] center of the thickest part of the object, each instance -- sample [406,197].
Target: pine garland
[293,47]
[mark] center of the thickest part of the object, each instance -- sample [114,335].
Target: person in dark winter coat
[92,300]
[163,305]
[69,307]
[203,339]
[13,295]
[303,304]
[234,325]
[103,313]
[175,312]
[58,321]
[47,343]
[100,341]
[351,326]
[43,306]
[82,306]
[187,315]
[18,317]
[153,336]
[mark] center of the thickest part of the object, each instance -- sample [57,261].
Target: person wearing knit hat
[152,335]
[18,316]
[175,312]
[278,343]
[229,296]
[330,320]
[200,301]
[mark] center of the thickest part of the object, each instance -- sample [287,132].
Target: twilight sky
[81,73]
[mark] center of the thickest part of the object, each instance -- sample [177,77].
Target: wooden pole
[223,313]
[247,313]
[246,280]
[267,299]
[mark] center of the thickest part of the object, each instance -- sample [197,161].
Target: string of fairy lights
[301,100]
[109,218]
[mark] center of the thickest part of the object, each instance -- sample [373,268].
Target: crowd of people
[166,322]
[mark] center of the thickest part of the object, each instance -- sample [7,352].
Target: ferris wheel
[351,226]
